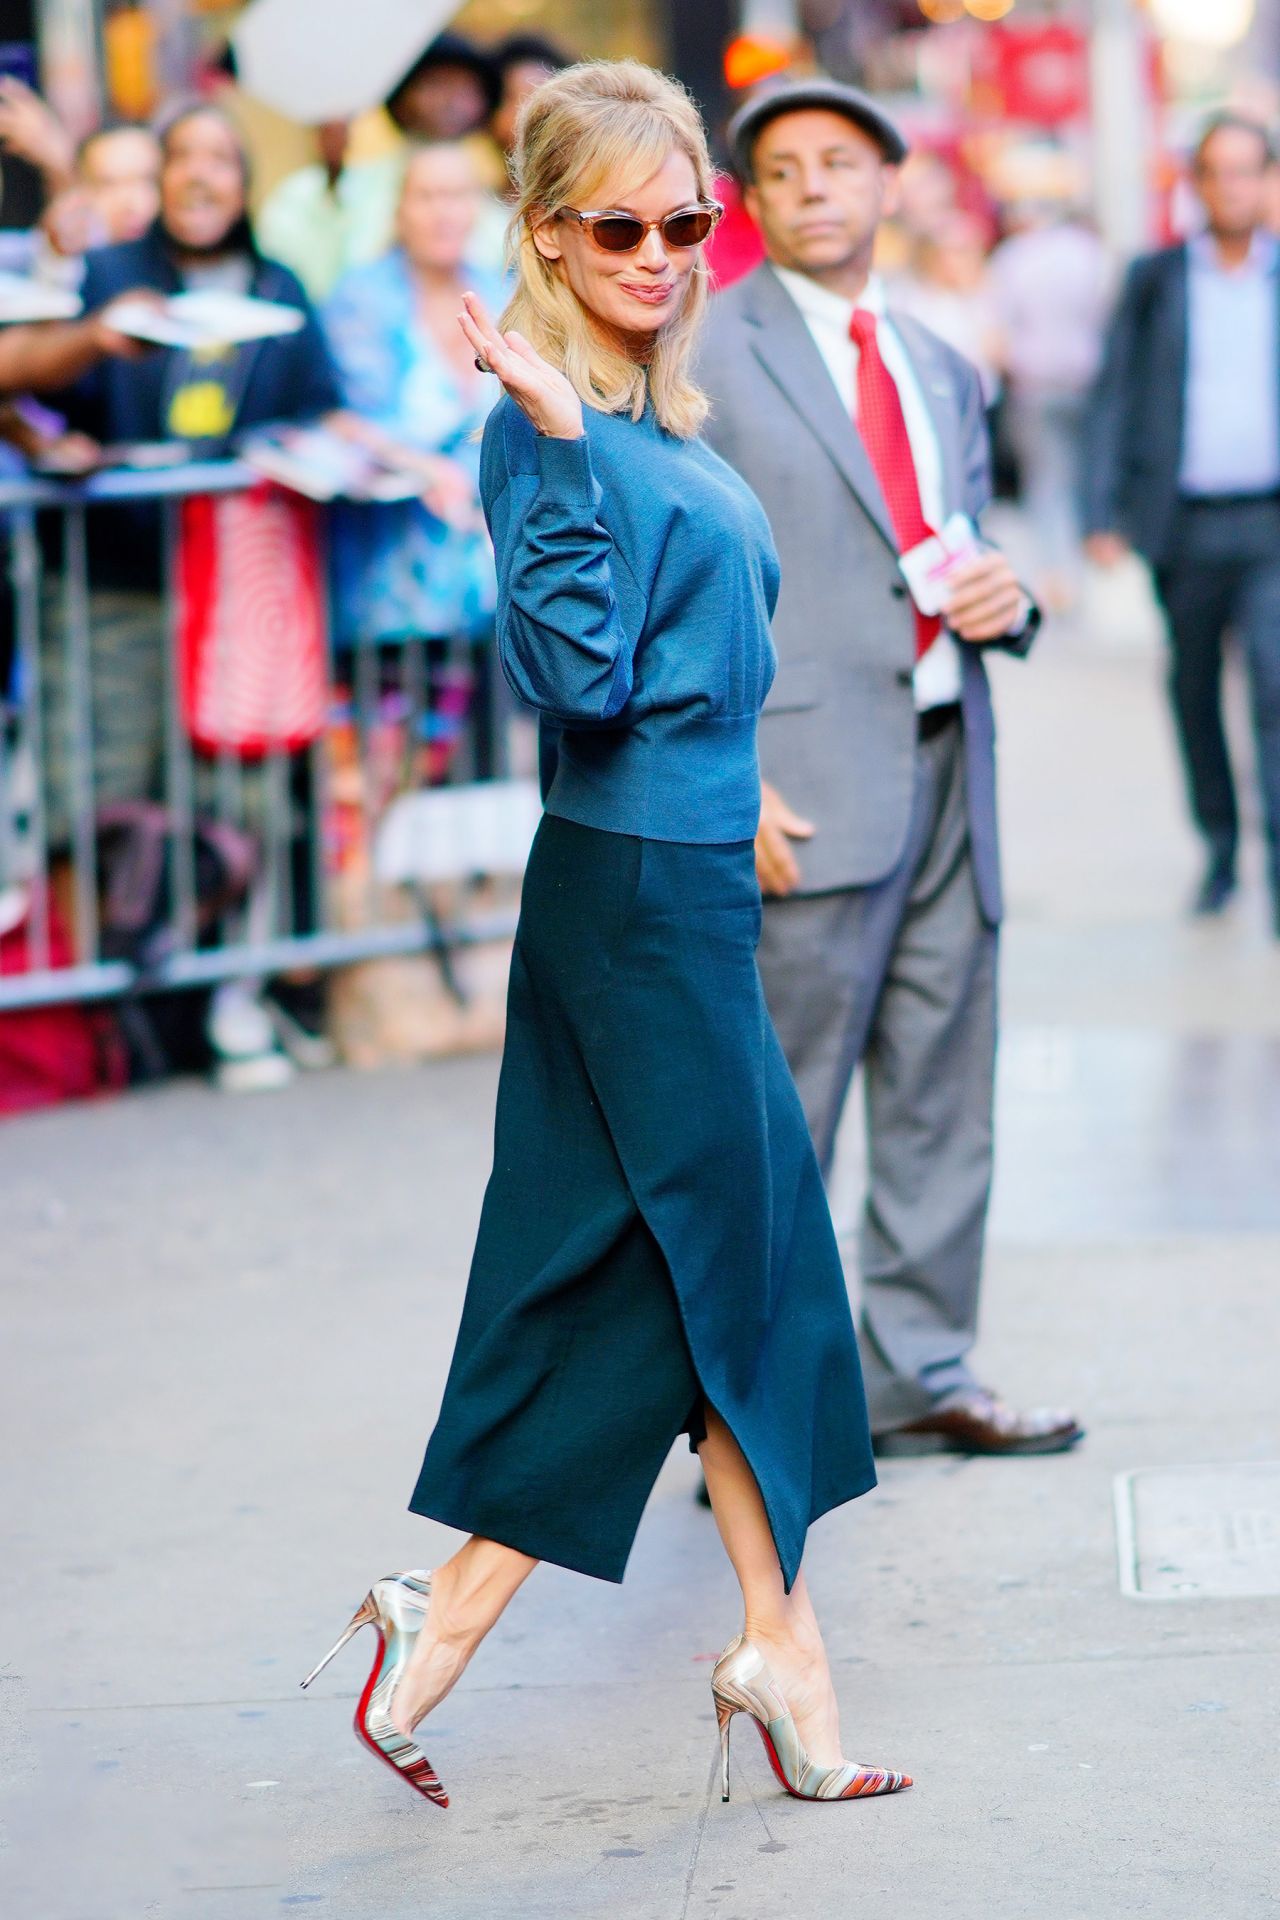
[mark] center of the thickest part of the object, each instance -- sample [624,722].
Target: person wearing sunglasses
[655,1253]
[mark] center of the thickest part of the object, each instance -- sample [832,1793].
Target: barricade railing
[304,907]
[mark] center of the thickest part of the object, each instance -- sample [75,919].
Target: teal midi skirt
[655,1234]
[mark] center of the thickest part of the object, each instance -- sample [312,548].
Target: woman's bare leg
[468,1595]
[781,1624]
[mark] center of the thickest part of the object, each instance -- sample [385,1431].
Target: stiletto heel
[396,1607]
[366,1612]
[725,1716]
[742,1683]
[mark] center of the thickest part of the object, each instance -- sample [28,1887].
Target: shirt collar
[820,303]
[1263,256]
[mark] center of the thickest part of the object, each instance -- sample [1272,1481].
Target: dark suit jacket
[838,731]
[287,379]
[1136,418]
[290,378]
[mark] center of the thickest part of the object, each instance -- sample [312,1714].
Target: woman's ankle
[454,1620]
[798,1637]
[471,1592]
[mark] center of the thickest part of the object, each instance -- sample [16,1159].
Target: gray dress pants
[901,977]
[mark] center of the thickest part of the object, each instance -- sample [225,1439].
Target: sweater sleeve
[570,611]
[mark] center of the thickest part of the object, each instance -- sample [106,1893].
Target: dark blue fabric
[291,378]
[287,379]
[636,581]
[655,1230]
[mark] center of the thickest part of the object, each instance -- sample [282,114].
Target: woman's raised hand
[538,388]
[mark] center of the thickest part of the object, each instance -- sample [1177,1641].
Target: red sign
[1034,73]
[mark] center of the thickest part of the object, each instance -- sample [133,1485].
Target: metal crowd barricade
[272,938]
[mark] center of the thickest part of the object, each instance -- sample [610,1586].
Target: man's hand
[1106,549]
[985,600]
[107,338]
[34,132]
[449,493]
[72,454]
[72,225]
[776,867]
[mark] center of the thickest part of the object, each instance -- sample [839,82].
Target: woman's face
[438,207]
[441,103]
[632,295]
[202,184]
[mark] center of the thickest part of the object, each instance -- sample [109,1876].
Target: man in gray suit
[863,434]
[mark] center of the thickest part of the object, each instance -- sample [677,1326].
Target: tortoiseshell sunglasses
[615,232]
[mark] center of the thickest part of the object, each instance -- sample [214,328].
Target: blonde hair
[586,125]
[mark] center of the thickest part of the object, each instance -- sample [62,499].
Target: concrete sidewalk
[226,1331]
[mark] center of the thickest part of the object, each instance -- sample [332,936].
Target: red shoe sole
[410,1775]
[808,1798]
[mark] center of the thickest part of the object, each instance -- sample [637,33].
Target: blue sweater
[636,581]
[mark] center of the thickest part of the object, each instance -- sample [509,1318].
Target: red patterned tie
[883,427]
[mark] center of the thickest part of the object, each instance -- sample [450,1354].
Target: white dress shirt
[828,316]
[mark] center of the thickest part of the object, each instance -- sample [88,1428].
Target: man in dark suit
[862,432]
[1183,463]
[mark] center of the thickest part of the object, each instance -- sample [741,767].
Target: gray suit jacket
[838,732]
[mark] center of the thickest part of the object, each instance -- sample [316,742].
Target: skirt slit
[655,1235]
[705,1397]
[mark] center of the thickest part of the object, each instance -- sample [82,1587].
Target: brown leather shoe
[980,1422]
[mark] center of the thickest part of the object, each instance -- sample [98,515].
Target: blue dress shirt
[1231,440]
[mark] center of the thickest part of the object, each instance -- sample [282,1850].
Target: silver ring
[482,366]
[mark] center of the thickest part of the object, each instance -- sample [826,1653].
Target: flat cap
[777,97]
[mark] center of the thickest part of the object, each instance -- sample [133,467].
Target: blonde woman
[655,1254]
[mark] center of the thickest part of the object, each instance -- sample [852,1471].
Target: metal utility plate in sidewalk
[1200,1533]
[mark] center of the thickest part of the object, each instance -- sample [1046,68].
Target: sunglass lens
[687,229]
[618,235]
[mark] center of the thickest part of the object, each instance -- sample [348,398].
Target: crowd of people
[375,249]
[374,255]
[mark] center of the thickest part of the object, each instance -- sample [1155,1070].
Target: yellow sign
[201,411]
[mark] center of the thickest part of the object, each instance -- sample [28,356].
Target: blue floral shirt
[399,571]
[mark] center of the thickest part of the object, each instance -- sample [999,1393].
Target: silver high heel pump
[742,1683]
[396,1606]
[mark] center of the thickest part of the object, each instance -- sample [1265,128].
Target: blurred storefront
[632,28]
[123,57]
[1029,48]
[1086,103]
[1078,101]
